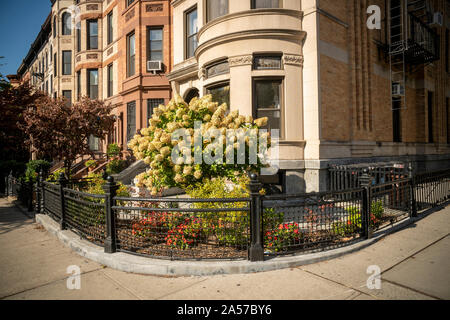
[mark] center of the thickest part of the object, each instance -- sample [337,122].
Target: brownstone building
[115,50]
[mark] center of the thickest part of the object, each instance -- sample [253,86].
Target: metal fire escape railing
[411,42]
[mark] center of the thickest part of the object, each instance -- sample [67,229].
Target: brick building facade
[100,49]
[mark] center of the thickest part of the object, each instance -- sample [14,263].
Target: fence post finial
[110,188]
[256,252]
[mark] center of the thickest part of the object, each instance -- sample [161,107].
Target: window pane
[132,45]
[266,4]
[268,94]
[268,99]
[67,24]
[110,28]
[130,57]
[93,84]
[217,69]
[94,143]
[92,35]
[155,44]
[216,8]
[156,56]
[110,81]
[264,63]
[131,120]
[93,77]
[192,45]
[93,28]
[67,62]
[78,38]
[68,95]
[192,22]
[155,34]
[151,105]
[220,94]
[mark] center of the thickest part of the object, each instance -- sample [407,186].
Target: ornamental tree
[13,103]
[212,143]
[61,131]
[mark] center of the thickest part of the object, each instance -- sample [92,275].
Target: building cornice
[253,12]
[188,71]
[286,34]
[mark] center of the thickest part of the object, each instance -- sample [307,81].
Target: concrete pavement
[414,262]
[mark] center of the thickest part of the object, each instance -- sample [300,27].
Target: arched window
[66,24]
[55,27]
[191,94]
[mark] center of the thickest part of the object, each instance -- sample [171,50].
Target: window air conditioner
[438,19]
[154,66]
[398,90]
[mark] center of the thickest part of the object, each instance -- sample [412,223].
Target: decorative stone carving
[66,41]
[240,61]
[110,50]
[92,56]
[92,7]
[157,7]
[129,15]
[201,73]
[66,80]
[78,58]
[293,59]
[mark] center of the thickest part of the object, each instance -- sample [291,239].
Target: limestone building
[339,91]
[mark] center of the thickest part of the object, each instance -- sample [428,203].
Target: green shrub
[116,166]
[353,224]
[90,164]
[377,209]
[113,150]
[95,186]
[55,175]
[35,166]
[227,227]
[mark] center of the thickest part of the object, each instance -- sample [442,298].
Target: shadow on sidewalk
[11,217]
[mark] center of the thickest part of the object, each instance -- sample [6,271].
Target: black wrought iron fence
[86,214]
[293,223]
[431,189]
[344,177]
[250,228]
[183,228]
[51,195]
[390,203]
[21,189]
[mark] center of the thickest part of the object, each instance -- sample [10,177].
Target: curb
[143,265]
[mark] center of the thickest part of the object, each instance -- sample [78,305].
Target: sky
[20,23]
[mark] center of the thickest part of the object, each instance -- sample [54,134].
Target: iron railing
[344,177]
[21,189]
[304,222]
[251,228]
[183,228]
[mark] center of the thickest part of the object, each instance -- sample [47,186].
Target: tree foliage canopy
[61,131]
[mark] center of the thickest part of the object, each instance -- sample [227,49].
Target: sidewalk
[414,264]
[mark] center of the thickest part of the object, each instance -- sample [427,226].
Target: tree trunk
[68,167]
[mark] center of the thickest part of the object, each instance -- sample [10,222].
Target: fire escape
[411,42]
